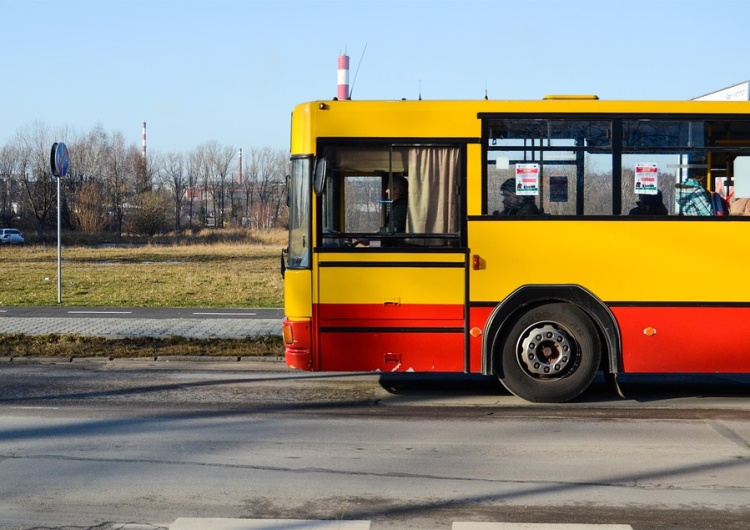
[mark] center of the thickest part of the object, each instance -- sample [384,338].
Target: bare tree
[122,164]
[201,164]
[174,177]
[282,169]
[9,184]
[219,160]
[194,167]
[150,214]
[265,186]
[40,187]
[234,189]
[143,175]
[107,177]
[91,212]
[85,183]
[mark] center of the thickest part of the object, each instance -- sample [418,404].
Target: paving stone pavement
[117,328]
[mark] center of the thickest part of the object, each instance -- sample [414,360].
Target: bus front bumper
[297,342]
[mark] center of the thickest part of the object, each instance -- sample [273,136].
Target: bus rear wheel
[550,354]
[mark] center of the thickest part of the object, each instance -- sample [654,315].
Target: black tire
[550,354]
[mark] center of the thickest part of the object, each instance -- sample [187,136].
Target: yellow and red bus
[545,241]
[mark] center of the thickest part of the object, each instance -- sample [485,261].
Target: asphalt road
[136,444]
[52,415]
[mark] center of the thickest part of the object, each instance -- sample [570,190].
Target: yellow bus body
[650,295]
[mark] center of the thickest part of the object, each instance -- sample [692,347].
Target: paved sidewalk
[116,328]
[152,323]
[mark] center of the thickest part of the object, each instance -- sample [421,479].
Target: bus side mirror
[321,173]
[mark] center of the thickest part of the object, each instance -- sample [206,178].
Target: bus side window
[359,208]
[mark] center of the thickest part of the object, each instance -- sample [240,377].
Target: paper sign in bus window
[646,179]
[558,189]
[527,179]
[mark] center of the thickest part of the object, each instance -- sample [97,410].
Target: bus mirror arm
[283,261]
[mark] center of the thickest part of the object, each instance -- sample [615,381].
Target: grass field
[206,272]
[237,274]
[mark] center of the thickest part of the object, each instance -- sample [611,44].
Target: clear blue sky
[231,71]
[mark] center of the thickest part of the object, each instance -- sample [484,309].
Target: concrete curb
[229,359]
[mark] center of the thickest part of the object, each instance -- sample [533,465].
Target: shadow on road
[638,388]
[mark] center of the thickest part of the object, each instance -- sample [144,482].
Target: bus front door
[390,312]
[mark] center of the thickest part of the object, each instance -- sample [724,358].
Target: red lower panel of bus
[684,339]
[412,351]
[390,338]
[655,339]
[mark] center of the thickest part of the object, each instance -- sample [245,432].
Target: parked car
[11,236]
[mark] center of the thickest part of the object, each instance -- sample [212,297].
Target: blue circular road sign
[59,159]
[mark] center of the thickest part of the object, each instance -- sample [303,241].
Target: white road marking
[538,526]
[100,312]
[187,523]
[184,523]
[25,407]
[230,314]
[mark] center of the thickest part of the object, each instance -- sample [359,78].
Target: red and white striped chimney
[143,151]
[239,168]
[343,92]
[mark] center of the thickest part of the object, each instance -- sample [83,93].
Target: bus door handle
[392,302]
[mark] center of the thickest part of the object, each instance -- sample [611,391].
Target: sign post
[60,162]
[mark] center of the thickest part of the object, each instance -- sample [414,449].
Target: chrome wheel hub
[546,351]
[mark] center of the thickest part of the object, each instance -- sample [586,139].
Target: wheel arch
[530,296]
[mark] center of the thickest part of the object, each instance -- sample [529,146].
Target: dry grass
[214,269]
[184,273]
[72,346]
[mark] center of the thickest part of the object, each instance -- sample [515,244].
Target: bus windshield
[299,213]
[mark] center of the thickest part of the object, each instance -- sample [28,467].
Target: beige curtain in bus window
[433,173]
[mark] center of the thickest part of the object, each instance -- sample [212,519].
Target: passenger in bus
[649,205]
[739,207]
[514,204]
[693,199]
[395,222]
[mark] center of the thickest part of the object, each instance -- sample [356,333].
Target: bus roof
[424,119]
[564,103]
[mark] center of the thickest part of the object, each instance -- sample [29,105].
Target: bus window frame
[328,240]
[711,144]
